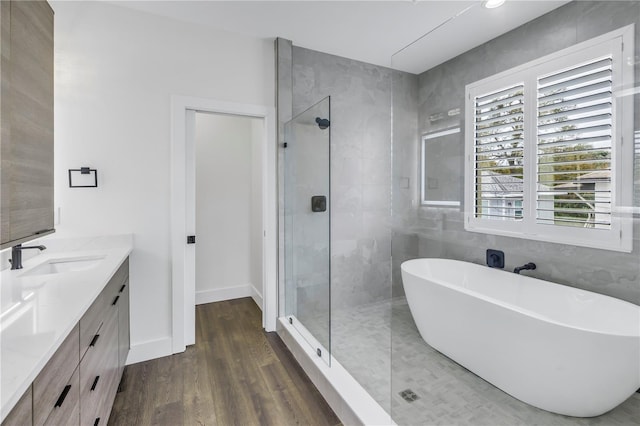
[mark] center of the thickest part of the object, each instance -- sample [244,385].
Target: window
[549,147]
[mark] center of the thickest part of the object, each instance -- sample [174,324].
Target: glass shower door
[307,221]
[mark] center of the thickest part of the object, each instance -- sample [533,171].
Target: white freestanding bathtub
[564,350]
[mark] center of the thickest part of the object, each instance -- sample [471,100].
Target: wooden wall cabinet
[78,384]
[26,121]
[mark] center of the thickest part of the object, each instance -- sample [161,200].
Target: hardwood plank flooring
[235,374]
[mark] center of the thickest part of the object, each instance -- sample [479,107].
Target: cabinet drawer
[51,382]
[111,383]
[90,323]
[116,283]
[96,370]
[122,273]
[102,307]
[67,407]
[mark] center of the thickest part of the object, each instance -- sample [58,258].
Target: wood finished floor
[235,374]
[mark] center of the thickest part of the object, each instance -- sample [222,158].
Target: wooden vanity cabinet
[54,396]
[26,121]
[22,413]
[78,384]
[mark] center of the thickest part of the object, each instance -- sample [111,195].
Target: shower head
[323,123]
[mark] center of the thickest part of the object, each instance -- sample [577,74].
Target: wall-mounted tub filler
[577,356]
[526,267]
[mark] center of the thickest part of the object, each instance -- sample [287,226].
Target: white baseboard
[257,297]
[162,347]
[226,293]
[150,350]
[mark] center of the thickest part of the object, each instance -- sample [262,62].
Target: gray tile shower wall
[430,232]
[360,169]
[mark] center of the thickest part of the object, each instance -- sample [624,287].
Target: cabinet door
[28,164]
[123,327]
[22,413]
[49,385]
[67,408]
[5,128]
[97,371]
[91,322]
[113,374]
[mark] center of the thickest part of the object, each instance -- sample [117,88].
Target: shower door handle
[318,203]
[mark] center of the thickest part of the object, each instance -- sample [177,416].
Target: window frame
[619,237]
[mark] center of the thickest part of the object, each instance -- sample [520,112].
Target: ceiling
[369,31]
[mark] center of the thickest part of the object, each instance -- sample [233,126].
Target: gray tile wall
[360,169]
[430,232]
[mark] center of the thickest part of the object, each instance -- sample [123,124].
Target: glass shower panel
[307,226]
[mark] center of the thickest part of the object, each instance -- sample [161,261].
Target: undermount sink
[57,266]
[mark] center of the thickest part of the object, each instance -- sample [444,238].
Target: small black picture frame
[83,177]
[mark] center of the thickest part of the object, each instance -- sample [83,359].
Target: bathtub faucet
[529,265]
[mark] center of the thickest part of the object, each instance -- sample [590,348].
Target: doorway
[228,153]
[183,212]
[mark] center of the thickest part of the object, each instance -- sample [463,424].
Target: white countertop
[38,312]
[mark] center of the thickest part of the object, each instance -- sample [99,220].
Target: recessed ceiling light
[492,4]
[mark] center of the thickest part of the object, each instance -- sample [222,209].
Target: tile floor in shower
[447,394]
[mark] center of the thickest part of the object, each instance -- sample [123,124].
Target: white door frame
[183,211]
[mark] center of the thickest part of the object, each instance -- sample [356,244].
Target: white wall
[227,206]
[115,72]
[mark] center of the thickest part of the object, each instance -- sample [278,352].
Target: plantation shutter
[499,154]
[574,146]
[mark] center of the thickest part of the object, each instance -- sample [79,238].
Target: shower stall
[335,221]
[372,173]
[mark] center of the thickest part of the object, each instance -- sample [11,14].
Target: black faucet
[16,255]
[525,267]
